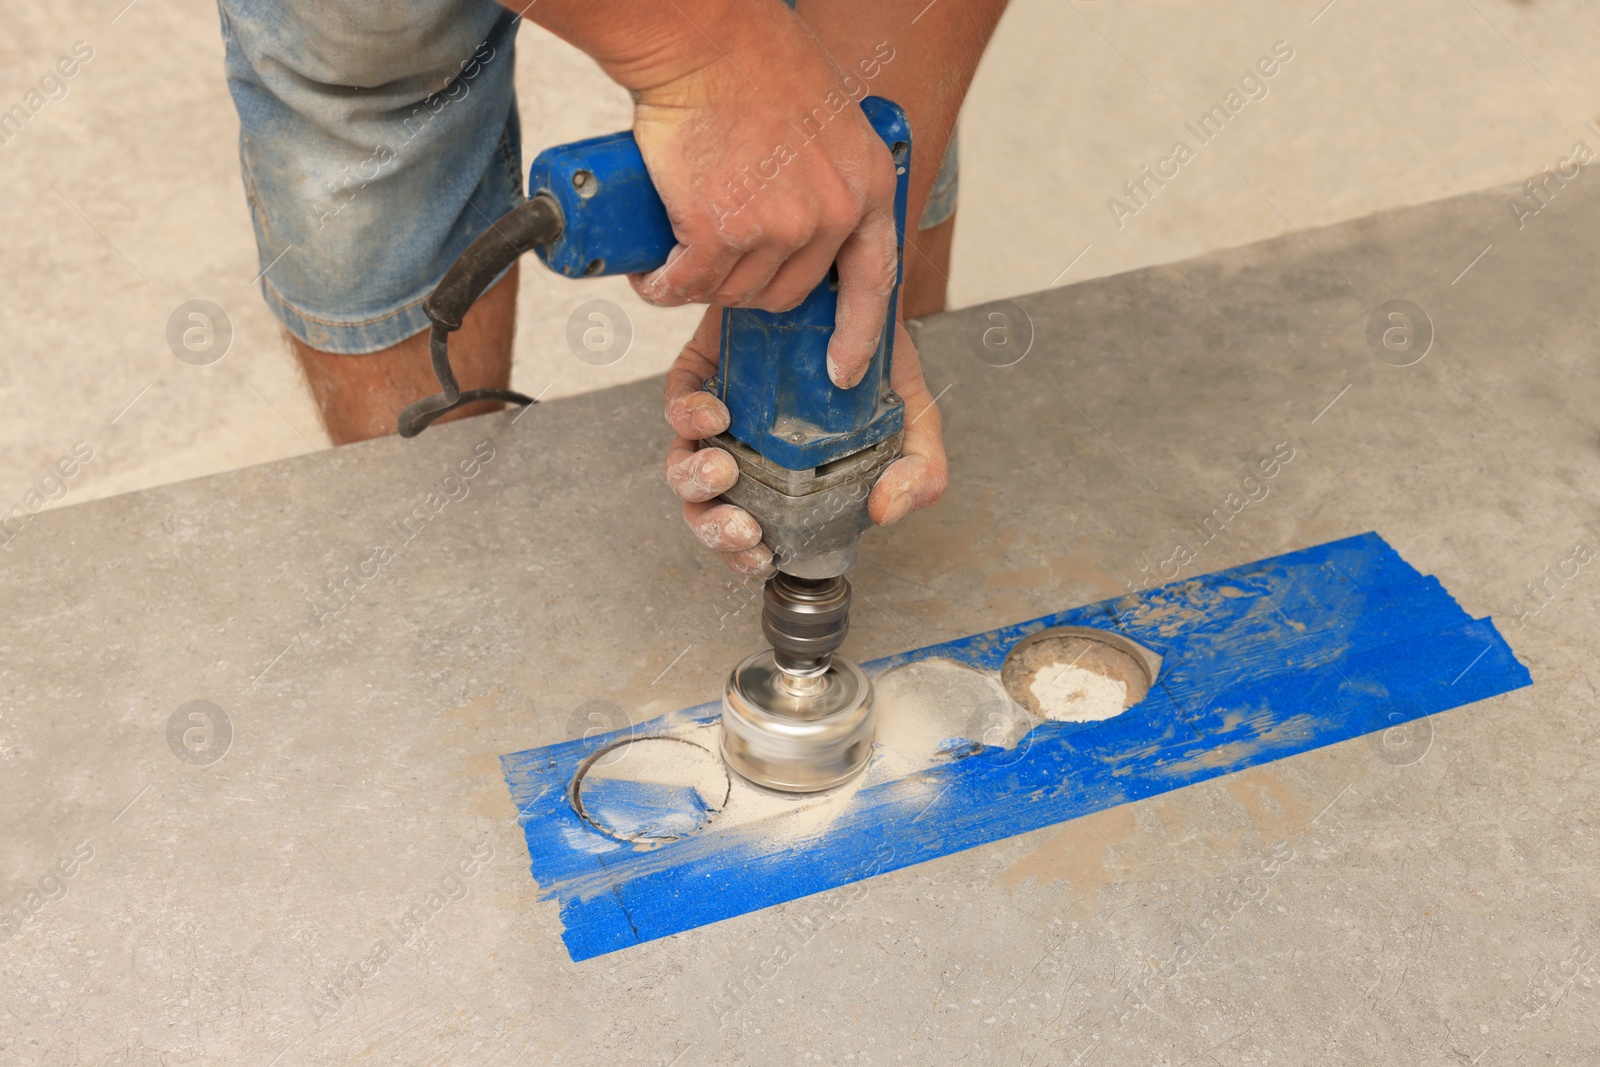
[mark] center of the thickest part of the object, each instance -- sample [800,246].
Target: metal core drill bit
[795,717]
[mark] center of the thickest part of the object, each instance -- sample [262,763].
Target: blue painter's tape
[1260,662]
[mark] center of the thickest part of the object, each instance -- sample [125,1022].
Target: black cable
[520,230]
[419,416]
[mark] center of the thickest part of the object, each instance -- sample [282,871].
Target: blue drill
[796,718]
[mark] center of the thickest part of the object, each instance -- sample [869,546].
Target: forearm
[934,59]
[646,45]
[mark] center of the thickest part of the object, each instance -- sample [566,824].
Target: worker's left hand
[916,480]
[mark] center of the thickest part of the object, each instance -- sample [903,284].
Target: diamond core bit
[795,718]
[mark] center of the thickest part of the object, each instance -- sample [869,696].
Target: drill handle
[613,220]
[592,211]
[773,369]
[772,365]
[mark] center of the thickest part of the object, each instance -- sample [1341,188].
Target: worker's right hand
[767,186]
[699,475]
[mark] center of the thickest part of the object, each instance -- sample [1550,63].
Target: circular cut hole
[1069,676]
[935,707]
[651,790]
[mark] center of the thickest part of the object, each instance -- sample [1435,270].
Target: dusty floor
[255,720]
[122,199]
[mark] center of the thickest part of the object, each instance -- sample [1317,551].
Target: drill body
[795,717]
[808,452]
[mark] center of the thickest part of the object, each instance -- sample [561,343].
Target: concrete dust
[690,758]
[927,708]
[668,761]
[1073,679]
[1066,692]
[928,712]
[654,790]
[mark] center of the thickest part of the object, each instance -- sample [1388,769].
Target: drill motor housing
[808,452]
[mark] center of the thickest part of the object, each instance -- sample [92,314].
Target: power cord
[524,228]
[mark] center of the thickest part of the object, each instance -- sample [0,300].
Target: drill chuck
[805,619]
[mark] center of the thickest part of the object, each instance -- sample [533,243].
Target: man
[377,140]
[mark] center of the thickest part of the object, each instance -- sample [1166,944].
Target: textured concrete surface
[232,895]
[123,199]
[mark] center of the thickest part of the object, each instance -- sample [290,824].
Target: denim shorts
[377,141]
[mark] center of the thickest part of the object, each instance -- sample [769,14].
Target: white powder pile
[662,789]
[924,706]
[1069,693]
[667,761]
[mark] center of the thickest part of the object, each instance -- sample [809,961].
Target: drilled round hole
[937,708]
[586,185]
[651,790]
[595,267]
[1077,674]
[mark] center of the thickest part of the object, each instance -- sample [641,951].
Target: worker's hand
[767,185]
[916,480]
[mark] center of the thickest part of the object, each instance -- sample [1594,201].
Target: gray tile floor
[1434,910]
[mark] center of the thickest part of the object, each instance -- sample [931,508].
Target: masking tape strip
[1260,662]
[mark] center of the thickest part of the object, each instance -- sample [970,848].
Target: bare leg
[927,270]
[361,396]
